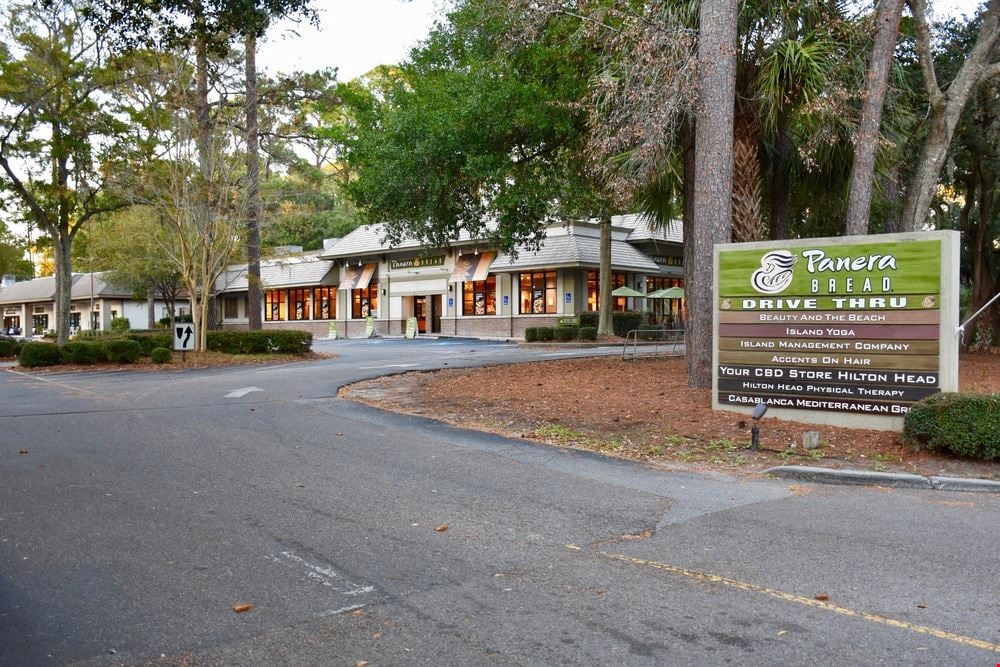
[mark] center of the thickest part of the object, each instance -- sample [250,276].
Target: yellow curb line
[809,602]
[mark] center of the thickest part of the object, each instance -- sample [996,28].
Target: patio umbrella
[626,291]
[668,293]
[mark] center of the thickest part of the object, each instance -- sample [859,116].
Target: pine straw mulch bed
[644,410]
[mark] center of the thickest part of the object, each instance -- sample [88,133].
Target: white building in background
[29,307]
[360,286]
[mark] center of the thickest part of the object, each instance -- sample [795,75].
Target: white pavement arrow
[240,393]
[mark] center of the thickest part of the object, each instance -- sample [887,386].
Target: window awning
[472,268]
[357,277]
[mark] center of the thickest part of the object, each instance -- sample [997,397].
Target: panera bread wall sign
[846,331]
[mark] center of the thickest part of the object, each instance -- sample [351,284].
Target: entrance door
[420,311]
[436,313]
[12,325]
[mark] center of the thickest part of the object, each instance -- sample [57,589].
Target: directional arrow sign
[184,337]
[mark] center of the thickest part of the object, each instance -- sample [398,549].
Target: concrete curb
[895,480]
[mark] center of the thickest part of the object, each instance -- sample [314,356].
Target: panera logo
[775,272]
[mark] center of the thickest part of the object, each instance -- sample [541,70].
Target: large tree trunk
[713,188]
[604,323]
[151,307]
[866,136]
[687,219]
[748,220]
[984,284]
[781,193]
[61,251]
[254,208]
[946,107]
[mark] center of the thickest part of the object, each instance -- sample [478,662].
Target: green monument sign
[820,329]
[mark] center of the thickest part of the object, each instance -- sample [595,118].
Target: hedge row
[621,322]
[960,424]
[277,341]
[565,332]
[8,346]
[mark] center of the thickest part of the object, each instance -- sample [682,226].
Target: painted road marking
[41,379]
[326,577]
[368,368]
[809,602]
[240,393]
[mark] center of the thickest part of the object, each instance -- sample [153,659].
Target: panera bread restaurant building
[362,287]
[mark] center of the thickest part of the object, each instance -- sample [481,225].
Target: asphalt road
[147,505]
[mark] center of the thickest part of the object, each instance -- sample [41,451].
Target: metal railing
[652,341]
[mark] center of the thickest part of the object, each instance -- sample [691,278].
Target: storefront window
[670,312]
[298,304]
[324,303]
[538,293]
[364,302]
[231,308]
[594,291]
[480,297]
[275,309]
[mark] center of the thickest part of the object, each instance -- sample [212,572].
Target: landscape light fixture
[759,411]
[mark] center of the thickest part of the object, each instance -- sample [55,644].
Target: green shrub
[960,424]
[150,340]
[273,341]
[546,333]
[39,354]
[122,350]
[589,318]
[92,333]
[18,344]
[7,347]
[565,333]
[161,355]
[120,324]
[625,321]
[165,321]
[588,333]
[81,352]
[531,334]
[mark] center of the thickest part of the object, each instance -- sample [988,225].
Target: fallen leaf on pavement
[361,663]
[378,635]
[443,527]
[822,597]
[22,451]
[240,608]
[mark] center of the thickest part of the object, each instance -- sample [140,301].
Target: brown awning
[357,277]
[472,268]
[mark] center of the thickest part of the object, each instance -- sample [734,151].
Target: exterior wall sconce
[450,287]
[383,291]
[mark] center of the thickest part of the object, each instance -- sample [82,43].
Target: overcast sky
[354,36]
[357,35]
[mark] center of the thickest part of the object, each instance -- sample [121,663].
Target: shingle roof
[572,250]
[44,289]
[368,239]
[305,269]
[644,229]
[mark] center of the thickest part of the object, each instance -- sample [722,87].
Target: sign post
[846,331]
[185,338]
